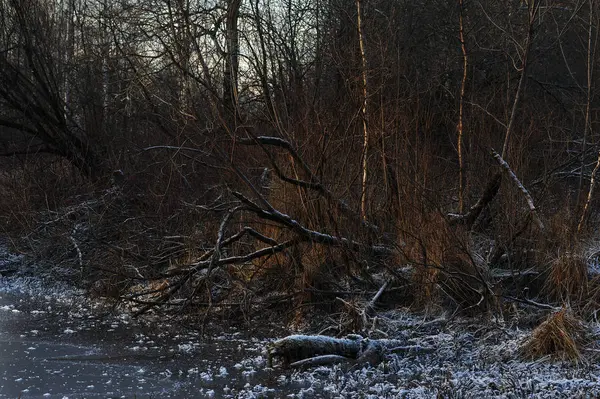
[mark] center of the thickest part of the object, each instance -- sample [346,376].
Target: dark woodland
[241,161]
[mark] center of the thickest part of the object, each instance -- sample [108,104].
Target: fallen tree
[318,350]
[247,213]
[257,225]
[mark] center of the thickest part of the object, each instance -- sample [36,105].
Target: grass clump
[562,335]
[567,278]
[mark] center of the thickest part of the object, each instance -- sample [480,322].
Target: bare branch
[312,182]
[521,187]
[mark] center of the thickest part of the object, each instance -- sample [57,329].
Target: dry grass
[567,278]
[591,304]
[427,240]
[445,269]
[562,257]
[468,285]
[562,335]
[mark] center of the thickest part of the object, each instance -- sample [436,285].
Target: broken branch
[521,187]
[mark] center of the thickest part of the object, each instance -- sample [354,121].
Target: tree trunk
[230,74]
[459,140]
[365,149]
[591,50]
[533,8]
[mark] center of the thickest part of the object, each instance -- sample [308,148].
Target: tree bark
[313,350]
[459,140]
[230,74]
[365,149]
[587,127]
[533,7]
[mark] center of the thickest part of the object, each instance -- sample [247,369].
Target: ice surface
[56,343]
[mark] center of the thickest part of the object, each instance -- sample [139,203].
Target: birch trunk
[230,76]
[365,149]
[587,127]
[459,146]
[533,7]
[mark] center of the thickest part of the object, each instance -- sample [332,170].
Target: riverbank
[58,342]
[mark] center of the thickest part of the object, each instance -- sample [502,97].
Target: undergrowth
[120,241]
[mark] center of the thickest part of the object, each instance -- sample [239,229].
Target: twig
[174,147]
[532,303]
[308,234]
[216,255]
[204,264]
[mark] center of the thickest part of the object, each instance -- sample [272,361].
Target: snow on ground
[458,361]
[448,359]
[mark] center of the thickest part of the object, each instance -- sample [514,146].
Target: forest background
[223,157]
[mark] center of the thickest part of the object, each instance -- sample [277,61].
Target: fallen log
[324,360]
[314,350]
[298,347]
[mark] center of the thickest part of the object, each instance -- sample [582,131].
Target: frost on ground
[451,360]
[17,277]
[439,358]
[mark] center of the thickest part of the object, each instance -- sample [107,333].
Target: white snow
[458,359]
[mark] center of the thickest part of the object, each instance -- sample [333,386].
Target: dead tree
[258,206]
[313,350]
[30,94]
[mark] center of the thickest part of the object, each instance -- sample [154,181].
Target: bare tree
[33,89]
[460,126]
[364,112]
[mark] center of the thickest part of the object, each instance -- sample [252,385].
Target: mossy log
[313,350]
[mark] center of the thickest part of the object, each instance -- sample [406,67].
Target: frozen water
[55,343]
[63,352]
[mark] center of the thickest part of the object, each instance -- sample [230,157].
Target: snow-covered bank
[445,358]
[456,361]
